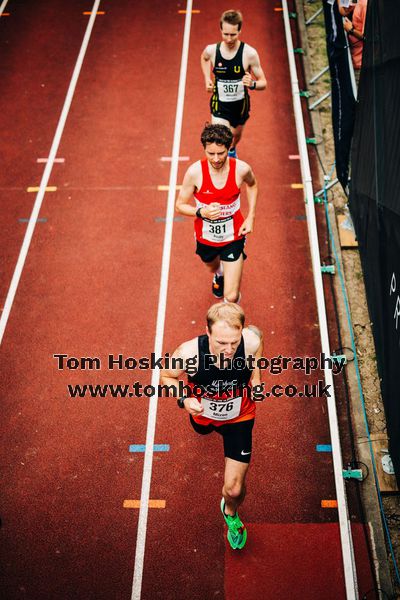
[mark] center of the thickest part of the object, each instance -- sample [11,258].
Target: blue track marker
[39,220]
[323,448]
[142,448]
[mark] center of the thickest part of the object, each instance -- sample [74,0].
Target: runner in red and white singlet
[220,227]
[226,228]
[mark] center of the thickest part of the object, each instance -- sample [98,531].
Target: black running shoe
[218,286]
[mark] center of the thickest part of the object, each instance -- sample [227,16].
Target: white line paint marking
[162,303]
[349,566]
[3,6]
[46,175]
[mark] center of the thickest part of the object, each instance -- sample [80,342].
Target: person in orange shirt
[355,30]
[221,384]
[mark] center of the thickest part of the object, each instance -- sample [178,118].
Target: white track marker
[165,188]
[169,158]
[46,175]
[162,303]
[56,160]
[3,6]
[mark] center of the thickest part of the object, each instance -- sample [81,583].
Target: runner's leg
[237,131]
[237,134]
[220,121]
[214,264]
[234,489]
[232,278]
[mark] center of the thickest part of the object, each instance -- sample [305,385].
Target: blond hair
[229,312]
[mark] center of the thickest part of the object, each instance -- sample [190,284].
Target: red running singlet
[225,229]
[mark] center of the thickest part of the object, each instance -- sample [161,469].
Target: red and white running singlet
[226,228]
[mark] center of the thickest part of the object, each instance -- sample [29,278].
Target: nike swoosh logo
[244,453]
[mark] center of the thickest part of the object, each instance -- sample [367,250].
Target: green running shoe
[237,532]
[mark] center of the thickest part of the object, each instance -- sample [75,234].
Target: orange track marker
[296,186]
[183,12]
[278,9]
[50,188]
[99,12]
[152,503]
[329,503]
[5,15]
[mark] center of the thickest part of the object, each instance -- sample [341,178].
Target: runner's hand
[348,25]
[209,85]
[212,211]
[247,79]
[193,406]
[247,226]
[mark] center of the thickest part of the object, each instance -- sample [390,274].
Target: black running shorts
[236,113]
[237,437]
[229,252]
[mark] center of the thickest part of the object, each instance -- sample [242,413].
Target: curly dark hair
[216,134]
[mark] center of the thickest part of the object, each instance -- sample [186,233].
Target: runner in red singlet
[220,228]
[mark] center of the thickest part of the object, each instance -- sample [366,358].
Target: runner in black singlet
[230,99]
[236,68]
[221,398]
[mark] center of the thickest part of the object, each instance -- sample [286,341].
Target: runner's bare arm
[186,192]
[179,358]
[170,377]
[254,68]
[206,64]
[249,179]
[254,345]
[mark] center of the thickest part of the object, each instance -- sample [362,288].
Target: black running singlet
[226,392]
[228,77]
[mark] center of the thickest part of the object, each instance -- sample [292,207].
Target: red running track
[90,288]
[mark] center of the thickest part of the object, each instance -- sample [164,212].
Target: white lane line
[46,175]
[2,6]
[162,303]
[348,559]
